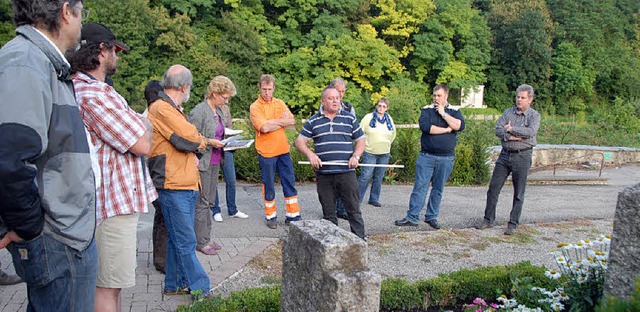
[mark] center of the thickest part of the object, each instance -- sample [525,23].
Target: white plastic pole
[346,164]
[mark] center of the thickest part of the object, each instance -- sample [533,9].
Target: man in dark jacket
[47,185]
[439,123]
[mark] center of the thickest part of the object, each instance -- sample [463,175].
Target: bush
[405,150]
[466,285]
[398,294]
[264,299]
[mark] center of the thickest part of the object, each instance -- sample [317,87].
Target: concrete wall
[546,154]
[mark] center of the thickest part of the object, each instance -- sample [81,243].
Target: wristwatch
[356,156]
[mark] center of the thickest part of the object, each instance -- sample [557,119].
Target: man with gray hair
[174,171]
[47,185]
[517,129]
[341,85]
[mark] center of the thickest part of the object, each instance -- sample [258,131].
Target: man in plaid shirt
[122,137]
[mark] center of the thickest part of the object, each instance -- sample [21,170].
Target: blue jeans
[434,169]
[58,278]
[376,172]
[229,173]
[284,166]
[182,267]
[516,164]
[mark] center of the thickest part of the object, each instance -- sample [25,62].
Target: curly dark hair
[86,58]
[44,12]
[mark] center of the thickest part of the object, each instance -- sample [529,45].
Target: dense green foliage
[580,55]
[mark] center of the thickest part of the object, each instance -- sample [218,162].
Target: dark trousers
[516,164]
[343,186]
[159,238]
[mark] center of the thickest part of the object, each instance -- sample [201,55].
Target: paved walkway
[462,207]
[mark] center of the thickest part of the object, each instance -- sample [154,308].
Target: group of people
[78,165]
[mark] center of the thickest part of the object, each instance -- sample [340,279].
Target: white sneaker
[240,215]
[217,217]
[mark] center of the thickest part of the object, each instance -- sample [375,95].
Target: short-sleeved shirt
[333,139]
[274,143]
[114,128]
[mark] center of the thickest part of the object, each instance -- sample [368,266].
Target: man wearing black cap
[122,137]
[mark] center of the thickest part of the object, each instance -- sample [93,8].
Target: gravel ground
[422,255]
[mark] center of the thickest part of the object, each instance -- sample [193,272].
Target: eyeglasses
[382,105]
[85,14]
[226,98]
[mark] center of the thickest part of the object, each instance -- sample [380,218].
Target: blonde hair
[221,85]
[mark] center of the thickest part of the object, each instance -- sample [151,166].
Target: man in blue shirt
[439,123]
[333,131]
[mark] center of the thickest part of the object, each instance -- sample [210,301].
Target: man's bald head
[176,77]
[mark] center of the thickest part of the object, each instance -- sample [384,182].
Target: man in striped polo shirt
[333,131]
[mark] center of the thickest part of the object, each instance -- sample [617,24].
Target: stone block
[624,263]
[325,269]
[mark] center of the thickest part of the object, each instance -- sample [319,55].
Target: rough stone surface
[547,154]
[624,263]
[325,269]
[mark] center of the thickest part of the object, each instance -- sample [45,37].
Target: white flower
[506,303]
[561,260]
[553,274]
[563,296]
[554,253]
[605,239]
[557,306]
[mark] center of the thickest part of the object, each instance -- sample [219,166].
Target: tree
[398,20]
[453,46]
[604,35]
[522,33]
[573,83]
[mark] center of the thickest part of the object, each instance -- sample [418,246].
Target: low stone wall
[547,154]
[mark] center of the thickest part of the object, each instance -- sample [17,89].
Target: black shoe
[343,216]
[405,222]
[511,230]
[375,204]
[160,269]
[272,223]
[484,226]
[289,220]
[6,279]
[433,223]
